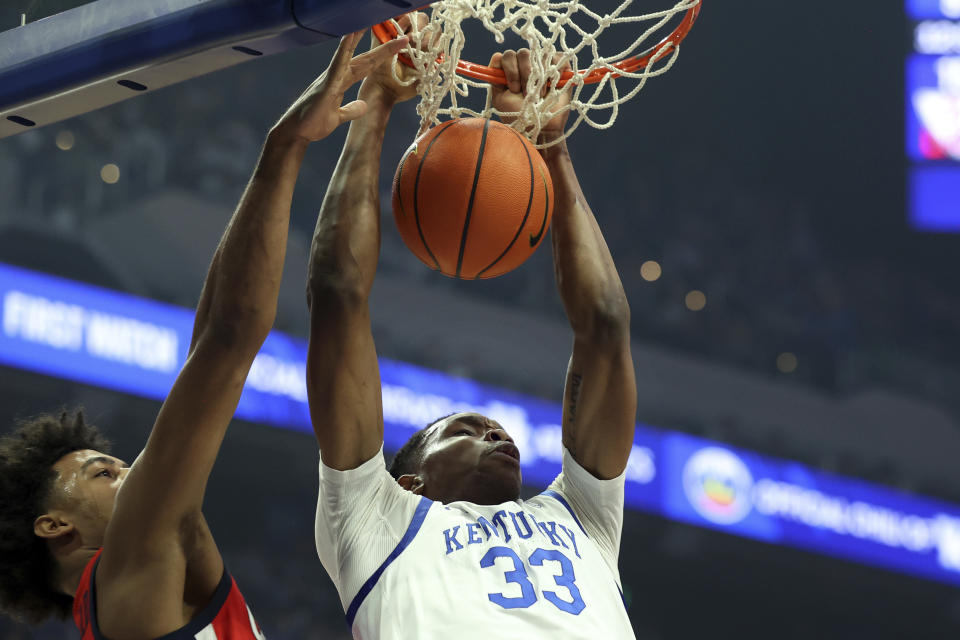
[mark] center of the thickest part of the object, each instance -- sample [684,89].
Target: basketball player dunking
[127,548]
[441,546]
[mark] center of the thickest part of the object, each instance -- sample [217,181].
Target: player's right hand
[320,109]
[382,78]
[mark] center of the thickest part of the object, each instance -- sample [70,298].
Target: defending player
[442,546]
[127,548]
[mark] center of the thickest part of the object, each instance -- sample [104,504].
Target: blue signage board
[786,503]
[100,337]
[933,116]
[933,9]
[95,336]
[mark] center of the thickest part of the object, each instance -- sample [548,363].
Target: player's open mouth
[507,449]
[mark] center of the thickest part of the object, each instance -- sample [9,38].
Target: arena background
[768,170]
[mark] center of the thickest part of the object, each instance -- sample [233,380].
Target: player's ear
[412,483]
[52,525]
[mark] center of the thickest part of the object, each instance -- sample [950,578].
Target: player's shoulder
[364,487]
[553,499]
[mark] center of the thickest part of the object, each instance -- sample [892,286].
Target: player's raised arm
[157,525]
[343,378]
[600,395]
[600,398]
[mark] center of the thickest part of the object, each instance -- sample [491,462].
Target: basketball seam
[546,211]
[416,191]
[473,193]
[398,185]
[525,215]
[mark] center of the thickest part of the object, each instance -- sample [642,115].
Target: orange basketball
[472,198]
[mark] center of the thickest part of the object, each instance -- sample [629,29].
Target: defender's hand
[516,67]
[318,111]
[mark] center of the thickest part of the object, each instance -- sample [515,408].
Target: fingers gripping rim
[385,31]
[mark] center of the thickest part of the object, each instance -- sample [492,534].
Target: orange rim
[386,31]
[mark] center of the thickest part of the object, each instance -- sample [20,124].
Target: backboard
[105,51]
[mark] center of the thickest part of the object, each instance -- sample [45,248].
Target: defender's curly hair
[408,458]
[27,457]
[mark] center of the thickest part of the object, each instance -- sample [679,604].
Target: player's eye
[463,432]
[104,472]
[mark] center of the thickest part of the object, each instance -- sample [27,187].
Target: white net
[558,34]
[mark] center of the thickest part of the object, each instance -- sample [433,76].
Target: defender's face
[85,491]
[470,457]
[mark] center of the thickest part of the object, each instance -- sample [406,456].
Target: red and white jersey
[226,617]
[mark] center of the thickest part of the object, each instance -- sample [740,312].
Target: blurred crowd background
[753,200]
[789,221]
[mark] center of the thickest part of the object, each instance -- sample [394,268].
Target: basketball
[472,198]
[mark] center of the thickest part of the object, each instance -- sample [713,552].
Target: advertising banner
[933,115]
[117,341]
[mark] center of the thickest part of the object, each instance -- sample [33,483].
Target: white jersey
[407,567]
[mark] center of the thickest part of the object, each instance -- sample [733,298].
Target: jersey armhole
[187,631]
[419,515]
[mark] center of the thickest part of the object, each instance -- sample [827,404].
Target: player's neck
[70,567]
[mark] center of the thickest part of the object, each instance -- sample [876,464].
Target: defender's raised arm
[157,525]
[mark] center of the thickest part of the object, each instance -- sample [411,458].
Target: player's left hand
[320,109]
[516,67]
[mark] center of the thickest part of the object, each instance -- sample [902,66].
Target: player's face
[470,457]
[84,493]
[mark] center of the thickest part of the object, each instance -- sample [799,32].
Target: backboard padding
[110,50]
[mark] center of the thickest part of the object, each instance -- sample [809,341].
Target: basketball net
[556,37]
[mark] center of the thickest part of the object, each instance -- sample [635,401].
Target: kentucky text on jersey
[504,525]
[408,567]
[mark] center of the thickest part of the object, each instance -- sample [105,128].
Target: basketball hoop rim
[385,31]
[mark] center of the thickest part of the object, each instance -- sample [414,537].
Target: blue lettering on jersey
[472,539]
[487,527]
[549,529]
[450,535]
[498,519]
[573,539]
[513,516]
[524,525]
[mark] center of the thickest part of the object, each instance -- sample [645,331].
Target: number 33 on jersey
[526,569]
